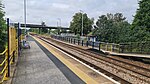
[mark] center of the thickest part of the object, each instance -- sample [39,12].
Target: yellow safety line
[76,70]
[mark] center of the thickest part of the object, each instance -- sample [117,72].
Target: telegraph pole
[82,21]
[59,24]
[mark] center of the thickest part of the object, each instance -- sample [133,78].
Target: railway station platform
[38,66]
[127,55]
[143,56]
[43,64]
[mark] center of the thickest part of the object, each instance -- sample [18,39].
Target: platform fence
[131,47]
[9,56]
[136,47]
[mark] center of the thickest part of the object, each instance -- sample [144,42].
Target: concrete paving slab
[34,67]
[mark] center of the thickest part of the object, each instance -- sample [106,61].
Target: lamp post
[25,16]
[59,23]
[82,21]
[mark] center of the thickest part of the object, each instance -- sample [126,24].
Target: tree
[141,23]
[139,34]
[112,28]
[44,30]
[76,24]
[2,29]
[142,17]
[2,21]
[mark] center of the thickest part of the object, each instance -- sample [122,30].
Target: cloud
[59,5]
[50,10]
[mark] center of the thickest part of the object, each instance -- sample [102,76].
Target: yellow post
[17,47]
[106,47]
[111,47]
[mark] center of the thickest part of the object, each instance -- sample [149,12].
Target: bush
[3,40]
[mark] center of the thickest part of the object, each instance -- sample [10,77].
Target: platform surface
[35,67]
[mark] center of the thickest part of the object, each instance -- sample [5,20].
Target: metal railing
[9,55]
[95,45]
[131,47]
[6,62]
[136,47]
[4,65]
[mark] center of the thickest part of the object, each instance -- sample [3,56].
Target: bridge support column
[49,30]
[39,30]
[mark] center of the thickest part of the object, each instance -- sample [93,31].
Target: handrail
[3,52]
[5,73]
[3,69]
[8,55]
[5,57]
[3,61]
[113,47]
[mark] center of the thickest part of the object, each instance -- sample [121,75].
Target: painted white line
[114,81]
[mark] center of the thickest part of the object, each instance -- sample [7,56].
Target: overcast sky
[50,10]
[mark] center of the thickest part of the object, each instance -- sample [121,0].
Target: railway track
[122,70]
